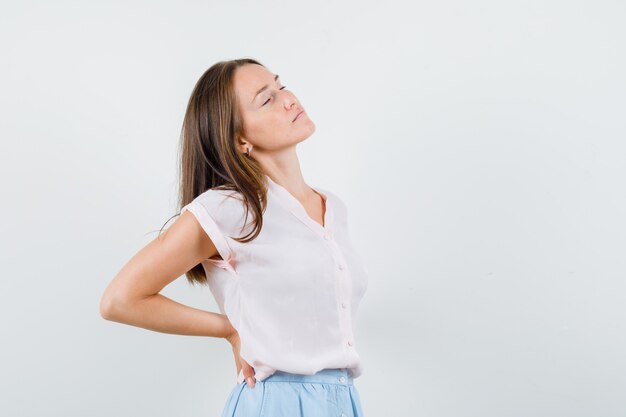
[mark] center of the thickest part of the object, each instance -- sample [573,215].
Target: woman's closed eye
[271,97]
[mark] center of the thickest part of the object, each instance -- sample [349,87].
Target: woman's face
[268,115]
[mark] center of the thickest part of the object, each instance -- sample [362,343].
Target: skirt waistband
[339,376]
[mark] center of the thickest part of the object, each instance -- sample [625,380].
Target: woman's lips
[298,116]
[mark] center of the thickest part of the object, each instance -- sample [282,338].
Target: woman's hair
[208,154]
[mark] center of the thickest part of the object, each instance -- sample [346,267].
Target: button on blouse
[293,292]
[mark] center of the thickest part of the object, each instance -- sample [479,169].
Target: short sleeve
[217,216]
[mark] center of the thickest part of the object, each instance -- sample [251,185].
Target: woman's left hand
[248,370]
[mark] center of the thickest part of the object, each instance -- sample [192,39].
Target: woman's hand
[248,371]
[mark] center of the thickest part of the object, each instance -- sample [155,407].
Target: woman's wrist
[229,330]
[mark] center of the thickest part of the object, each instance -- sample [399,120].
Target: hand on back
[248,370]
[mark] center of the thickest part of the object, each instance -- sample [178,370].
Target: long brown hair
[208,154]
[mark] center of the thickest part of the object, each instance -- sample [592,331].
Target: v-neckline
[297,208]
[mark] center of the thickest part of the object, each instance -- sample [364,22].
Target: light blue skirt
[328,393]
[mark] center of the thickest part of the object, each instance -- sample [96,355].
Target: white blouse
[292,293]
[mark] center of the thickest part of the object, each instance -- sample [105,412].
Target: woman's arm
[133,296]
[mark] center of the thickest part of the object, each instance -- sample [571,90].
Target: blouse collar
[288,201]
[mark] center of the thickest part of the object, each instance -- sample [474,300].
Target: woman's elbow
[109,307]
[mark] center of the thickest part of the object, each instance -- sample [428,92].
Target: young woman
[288,283]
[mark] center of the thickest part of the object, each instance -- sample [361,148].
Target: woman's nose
[290,101]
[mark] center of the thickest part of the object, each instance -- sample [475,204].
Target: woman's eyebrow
[263,88]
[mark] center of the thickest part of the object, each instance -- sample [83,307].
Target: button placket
[343,286]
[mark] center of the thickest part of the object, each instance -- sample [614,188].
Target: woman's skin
[133,296]
[270,129]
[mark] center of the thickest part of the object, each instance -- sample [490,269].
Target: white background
[478,145]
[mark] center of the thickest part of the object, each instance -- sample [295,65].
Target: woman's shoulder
[219,208]
[220,194]
[219,200]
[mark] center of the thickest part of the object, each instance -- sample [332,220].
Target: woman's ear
[242,144]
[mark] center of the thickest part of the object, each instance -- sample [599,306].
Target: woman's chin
[312,125]
[310,132]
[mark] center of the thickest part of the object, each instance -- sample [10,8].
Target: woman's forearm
[162,314]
